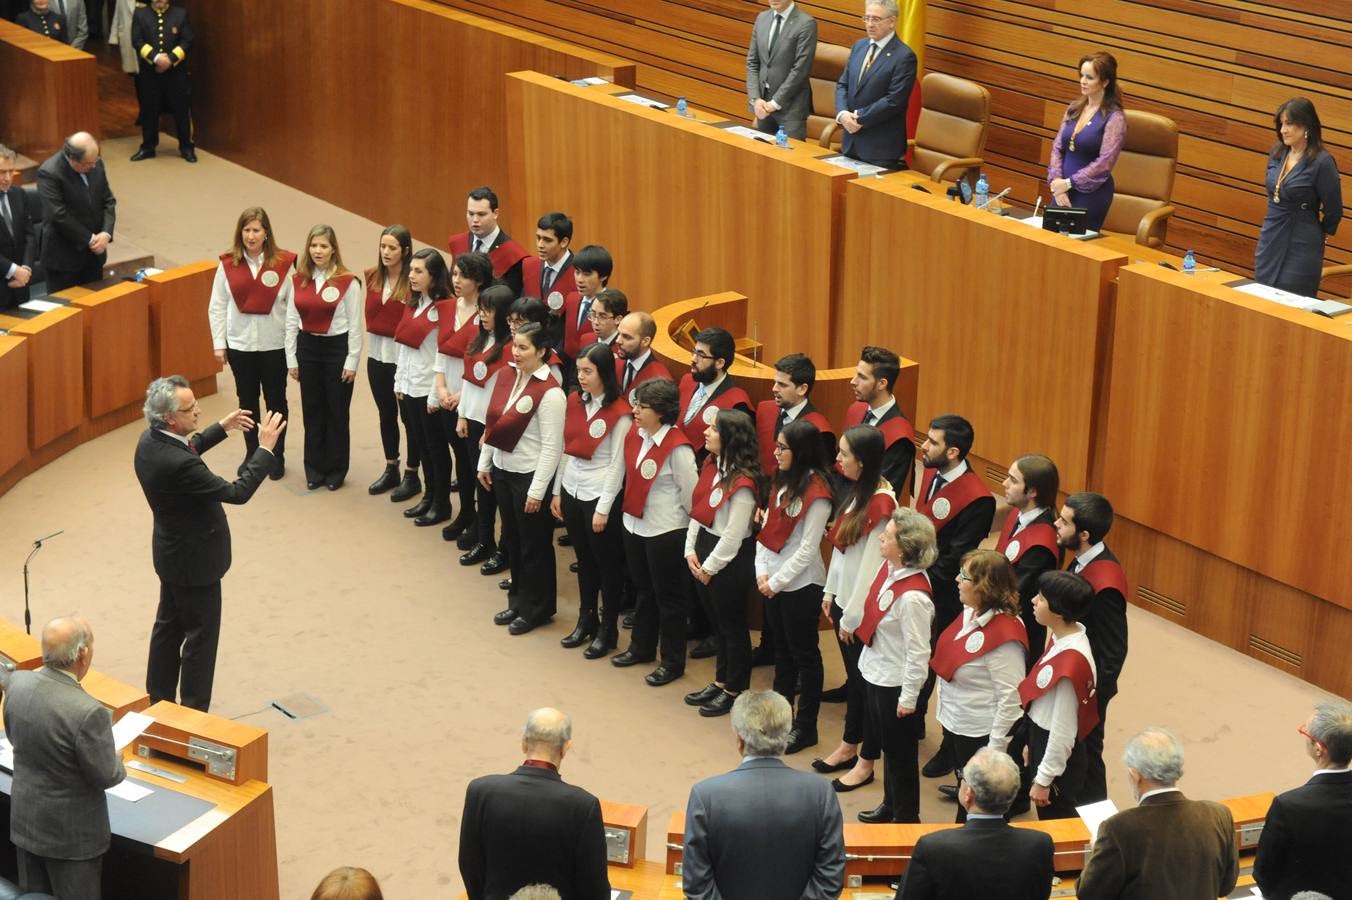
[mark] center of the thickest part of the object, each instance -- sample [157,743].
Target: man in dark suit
[1168,847]
[162,36]
[485,236]
[986,857]
[80,213]
[763,829]
[18,234]
[191,541]
[64,759]
[1303,846]
[874,91]
[778,66]
[530,827]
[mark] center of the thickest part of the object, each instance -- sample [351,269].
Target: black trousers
[466,463]
[183,644]
[859,727]
[325,402]
[900,740]
[160,92]
[964,748]
[265,371]
[798,656]
[1095,776]
[90,269]
[380,376]
[599,557]
[947,607]
[425,433]
[485,504]
[1067,789]
[657,565]
[529,541]
[68,879]
[724,601]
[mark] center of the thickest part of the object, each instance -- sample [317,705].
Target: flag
[911,30]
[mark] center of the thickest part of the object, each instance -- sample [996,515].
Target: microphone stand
[27,612]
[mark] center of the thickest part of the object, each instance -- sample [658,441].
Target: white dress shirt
[900,652]
[378,347]
[1087,557]
[732,526]
[349,317]
[487,240]
[474,399]
[850,574]
[540,445]
[415,371]
[799,562]
[983,697]
[1058,710]
[246,331]
[601,477]
[668,506]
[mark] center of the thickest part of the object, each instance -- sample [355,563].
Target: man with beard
[708,387]
[1028,538]
[1084,522]
[795,375]
[874,381]
[634,359]
[484,236]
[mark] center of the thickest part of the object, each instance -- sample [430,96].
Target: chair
[1333,272]
[950,137]
[826,68]
[1143,179]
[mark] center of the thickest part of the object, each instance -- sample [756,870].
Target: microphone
[27,611]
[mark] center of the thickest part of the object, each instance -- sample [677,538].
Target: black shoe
[475,555]
[661,675]
[800,739]
[949,792]
[506,617]
[835,695]
[879,815]
[572,566]
[435,515]
[584,631]
[409,487]
[602,644]
[142,154]
[313,485]
[505,584]
[494,564]
[628,621]
[719,706]
[388,480]
[762,656]
[704,649]
[454,486]
[703,695]
[519,626]
[939,765]
[841,787]
[334,484]
[188,155]
[455,528]
[565,540]
[278,470]
[827,768]
[420,508]
[629,658]
[469,537]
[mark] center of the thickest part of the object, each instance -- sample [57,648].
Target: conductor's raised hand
[240,419]
[270,429]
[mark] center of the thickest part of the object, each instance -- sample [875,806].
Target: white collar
[487,239]
[175,435]
[882,410]
[795,411]
[1163,790]
[1089,555]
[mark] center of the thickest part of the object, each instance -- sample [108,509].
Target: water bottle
[1189,263]
[983,193]
[781,138]
[681,108]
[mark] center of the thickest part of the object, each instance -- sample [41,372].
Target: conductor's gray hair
[762,720]
[61,654]
[547,728]
[162,399]
[889,6]
[994,780]
[1157,755]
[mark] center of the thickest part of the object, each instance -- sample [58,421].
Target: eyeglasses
[963,576]
[1312,739]
[781,448]
[599,314]
[873,20]
[195,406]
[700,354]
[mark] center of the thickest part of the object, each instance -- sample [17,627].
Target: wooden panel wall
[1219,68]
[50,92]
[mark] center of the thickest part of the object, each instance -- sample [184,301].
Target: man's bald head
[68,644]
[547,735]
[81,147]
[641,324]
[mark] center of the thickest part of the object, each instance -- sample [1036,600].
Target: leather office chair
[826,68]
[1341,269]
[955,115]
[1143,179]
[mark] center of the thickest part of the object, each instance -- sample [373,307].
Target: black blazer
[966,532]
[191,540]
[56,28]
[75,212]
[1106,627]
[1303,846]
[530,827]
[983,858]
[19,246]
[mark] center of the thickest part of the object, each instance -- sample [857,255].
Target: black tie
[774,33]
[783,420]
[478,245]
[868,418]
[936,485]
[582,312]
[629,373]
[5,214]
[1018,523]
[868,63]
[548,280]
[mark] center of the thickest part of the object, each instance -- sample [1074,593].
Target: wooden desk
[55,372]
[14,388]
[116,345]
[52,91]
[685,208]
[180,338]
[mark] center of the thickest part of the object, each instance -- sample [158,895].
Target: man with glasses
[609,307]
[81,213]
[18,236]
[874,90]
[485,236]
[708,387]
[1303,846]
[191,539]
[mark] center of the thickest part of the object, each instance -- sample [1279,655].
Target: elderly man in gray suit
[763,829]
[64,759]
[778,65]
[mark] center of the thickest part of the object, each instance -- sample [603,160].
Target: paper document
[744,131]
[6,755]
[129,728]
[129,791]
[855,165]
[1036,222]
[591,80]
[642,101]
[1294,301]
[40,306]
[1094,815]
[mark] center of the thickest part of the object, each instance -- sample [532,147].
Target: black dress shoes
[939,765]
[419,508]
[505,584]
[494,564]
[629,658]
[763,655]
[278,468]
[800,739]
[718,706]
[475,555]
[409,487]
[835,695]
[703,695]
[628,621]
[333,484]
[313,485]
[949,792]
[602,644]
[506,617]
[188,155]
[565,540]
[435,515]
[388,480]
[704,649]
[827,768]
[661,675]
[582,633]
[519,626]
[841,787]
[142,154]
[456,528]
[572,566]
[879,815]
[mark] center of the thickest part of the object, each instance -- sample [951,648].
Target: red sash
[575,338]
[875,607]
[413,329]
[504,255]
[478,369]
[782,518]
[952,498]
[709,496]
[653,368]
[727,398]
[1044,676]
[1038,534]
[255,296]
[503,424]
[1105,574]
[638,477]
[531,271]
[894,428]
[880,506]
[581,436]
[950,654]
[767,416]
[453,341]
[316,307]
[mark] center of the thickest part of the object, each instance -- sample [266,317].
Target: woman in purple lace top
[1089,141]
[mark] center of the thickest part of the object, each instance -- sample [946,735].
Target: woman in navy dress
[1089,141]
[1302,179]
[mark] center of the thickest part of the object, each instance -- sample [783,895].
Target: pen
[1038,208]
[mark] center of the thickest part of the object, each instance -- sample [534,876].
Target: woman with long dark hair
[1089,141]
[721,554]
[591,476]
[386,296]
[485,357]
[429,286]
[790,573]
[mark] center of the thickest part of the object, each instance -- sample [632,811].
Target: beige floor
[337,596]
